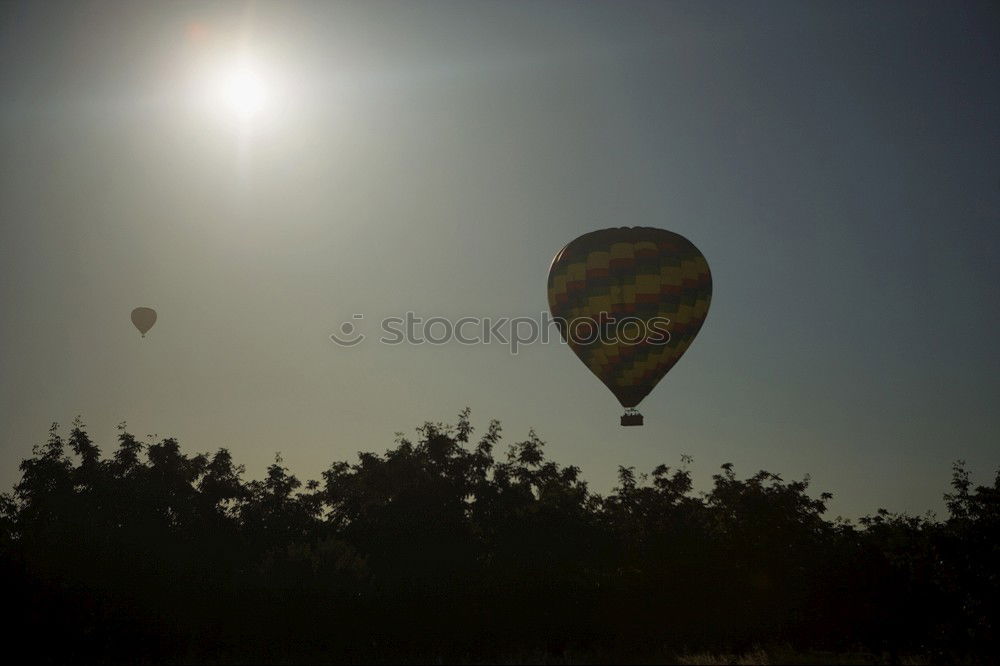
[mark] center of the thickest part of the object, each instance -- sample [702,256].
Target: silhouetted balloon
[611,292]
[144,318]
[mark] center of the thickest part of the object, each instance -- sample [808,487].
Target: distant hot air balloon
[629,302]
[144,318]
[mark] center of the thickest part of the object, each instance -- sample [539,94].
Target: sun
[240,90]
[244,91]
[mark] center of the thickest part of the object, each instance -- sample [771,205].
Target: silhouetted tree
[437,548]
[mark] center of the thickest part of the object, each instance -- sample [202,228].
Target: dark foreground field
[440,549]
[755,657]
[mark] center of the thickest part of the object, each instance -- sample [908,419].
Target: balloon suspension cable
[631,417]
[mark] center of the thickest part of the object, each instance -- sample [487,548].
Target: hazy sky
[837,163]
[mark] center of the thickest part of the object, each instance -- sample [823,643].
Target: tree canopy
[445,548]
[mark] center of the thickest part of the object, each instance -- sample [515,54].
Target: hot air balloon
[144,318]
[629,302]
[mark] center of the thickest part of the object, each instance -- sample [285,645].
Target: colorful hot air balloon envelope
[629,301]
[144,318]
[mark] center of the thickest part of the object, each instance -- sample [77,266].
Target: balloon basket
[631,418]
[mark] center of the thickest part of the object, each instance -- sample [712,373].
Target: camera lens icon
[347,336]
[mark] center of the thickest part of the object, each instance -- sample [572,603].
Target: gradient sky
[837,163]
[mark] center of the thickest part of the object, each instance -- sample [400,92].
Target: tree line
[447,547]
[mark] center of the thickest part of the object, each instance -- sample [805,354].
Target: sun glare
[244,92]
